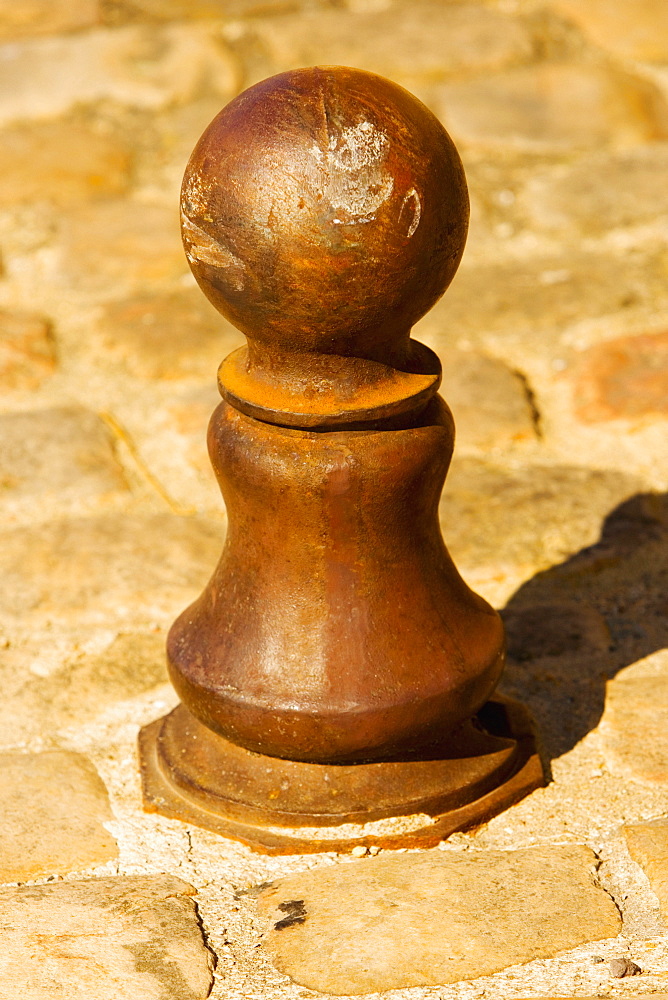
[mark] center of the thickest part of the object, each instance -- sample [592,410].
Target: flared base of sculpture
[289,807]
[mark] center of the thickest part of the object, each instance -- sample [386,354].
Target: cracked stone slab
[123,938]
[53,807]
[427,919]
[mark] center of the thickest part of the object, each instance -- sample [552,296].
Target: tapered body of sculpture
[337,669]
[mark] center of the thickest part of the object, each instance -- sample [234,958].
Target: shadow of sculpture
[574,626]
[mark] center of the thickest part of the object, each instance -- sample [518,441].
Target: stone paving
[555,348]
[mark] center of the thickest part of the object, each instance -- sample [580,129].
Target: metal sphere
[325,210]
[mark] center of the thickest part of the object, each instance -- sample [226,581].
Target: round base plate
[289,807]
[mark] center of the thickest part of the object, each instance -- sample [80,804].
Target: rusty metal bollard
[337,674]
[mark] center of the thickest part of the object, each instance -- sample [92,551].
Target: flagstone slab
[648,845]
[427,919]
[53,807]
[520,310]
[491,404]
[625,377]
[634,726]
[124,938]
[570,196]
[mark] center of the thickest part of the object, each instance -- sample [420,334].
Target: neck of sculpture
[325,388]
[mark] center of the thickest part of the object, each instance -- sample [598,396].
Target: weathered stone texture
[393,42]
[27,350]
[120,247]
[573,197]
[553,630]
[131,11]
[53,806]
[552,107]
[133,938]
[415,919]
[525,519]
[524,308]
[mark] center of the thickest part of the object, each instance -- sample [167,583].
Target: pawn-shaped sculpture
[336,669]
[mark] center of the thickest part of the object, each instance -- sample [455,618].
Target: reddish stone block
[626,377]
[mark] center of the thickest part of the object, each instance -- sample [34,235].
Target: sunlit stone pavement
[554,341]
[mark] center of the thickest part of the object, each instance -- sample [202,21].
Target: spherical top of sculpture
[325,210]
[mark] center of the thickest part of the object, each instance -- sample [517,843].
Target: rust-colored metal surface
[324,211]
[283,807]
